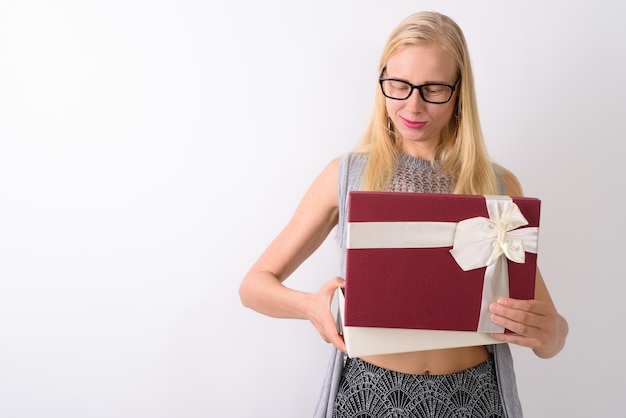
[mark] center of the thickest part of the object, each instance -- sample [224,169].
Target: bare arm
[536,323]
[262,288]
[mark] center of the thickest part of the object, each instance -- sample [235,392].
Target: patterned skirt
[368,391]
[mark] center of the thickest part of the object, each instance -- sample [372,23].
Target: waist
[451,360]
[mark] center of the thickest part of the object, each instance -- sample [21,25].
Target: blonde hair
[462,151]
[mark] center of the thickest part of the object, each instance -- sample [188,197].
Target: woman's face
[420,123]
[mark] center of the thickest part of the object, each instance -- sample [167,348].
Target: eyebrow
[382,75]
[421,84]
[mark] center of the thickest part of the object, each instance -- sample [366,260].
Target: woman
[423,136]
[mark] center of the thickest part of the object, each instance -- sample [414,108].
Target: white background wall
[149,151]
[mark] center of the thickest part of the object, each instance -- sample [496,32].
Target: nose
[414,101]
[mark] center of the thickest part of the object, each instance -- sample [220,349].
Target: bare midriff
[446,361]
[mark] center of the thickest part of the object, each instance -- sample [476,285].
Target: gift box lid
[391,284]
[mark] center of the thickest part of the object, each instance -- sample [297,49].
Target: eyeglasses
[437,93]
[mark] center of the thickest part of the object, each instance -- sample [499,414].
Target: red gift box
[435,261]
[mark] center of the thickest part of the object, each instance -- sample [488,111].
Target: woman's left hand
[535,324]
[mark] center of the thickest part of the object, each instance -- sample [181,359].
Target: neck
[423,151]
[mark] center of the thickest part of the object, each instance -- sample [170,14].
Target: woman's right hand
[318,312]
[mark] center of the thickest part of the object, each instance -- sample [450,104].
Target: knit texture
[420,176]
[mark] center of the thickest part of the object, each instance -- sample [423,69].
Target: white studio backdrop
[150,150]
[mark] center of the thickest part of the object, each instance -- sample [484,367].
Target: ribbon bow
[480,242]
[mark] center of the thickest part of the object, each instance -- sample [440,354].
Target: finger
[333,337]
[508,314]
[514,326]
[334,283]
[337,340]
[516,339]
[532,305]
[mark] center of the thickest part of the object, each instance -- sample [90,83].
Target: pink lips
[413,125]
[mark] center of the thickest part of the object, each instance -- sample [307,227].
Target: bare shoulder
[321,199]
[332,168]
[326,183]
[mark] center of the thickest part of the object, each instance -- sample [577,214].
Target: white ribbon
[477,242]
[481,242]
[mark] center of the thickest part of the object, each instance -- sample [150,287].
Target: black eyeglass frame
[419,88]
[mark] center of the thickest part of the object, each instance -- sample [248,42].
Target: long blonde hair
[462,150]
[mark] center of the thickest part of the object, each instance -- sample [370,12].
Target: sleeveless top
[412,175]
